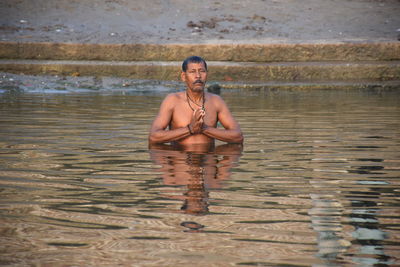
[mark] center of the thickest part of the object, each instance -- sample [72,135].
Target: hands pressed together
[196,124]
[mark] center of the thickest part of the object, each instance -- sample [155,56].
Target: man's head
[193,59]
[194,73]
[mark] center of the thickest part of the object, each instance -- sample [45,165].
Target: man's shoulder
[174,96]
[213,97]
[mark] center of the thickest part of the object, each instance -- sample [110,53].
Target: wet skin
[188,122]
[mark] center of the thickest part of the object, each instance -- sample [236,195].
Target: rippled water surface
[315,184]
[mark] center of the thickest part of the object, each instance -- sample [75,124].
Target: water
[315,184]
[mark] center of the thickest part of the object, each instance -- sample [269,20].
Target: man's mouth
[198,82]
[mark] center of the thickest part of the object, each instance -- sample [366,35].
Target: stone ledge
[211,52]
[219,71]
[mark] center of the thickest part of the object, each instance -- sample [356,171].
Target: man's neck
[195,96]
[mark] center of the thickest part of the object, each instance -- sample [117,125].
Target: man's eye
[195,71]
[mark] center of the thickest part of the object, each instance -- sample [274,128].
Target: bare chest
[182,114]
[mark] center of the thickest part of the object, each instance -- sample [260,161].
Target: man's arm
[232,132]
[158,134]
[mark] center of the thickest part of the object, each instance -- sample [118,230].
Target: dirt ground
[207,21]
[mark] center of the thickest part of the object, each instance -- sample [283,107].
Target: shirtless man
[192,116]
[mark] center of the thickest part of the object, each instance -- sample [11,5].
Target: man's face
[195,77]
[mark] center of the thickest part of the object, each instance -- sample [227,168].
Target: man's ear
[183,77]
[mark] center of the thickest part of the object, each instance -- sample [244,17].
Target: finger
[199,114]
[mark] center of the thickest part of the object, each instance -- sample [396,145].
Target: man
[192,116]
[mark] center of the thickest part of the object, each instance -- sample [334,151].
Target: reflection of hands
[196,124]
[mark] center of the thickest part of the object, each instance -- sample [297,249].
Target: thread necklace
[191,100]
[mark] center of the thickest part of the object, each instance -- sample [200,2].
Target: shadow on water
[330,219]
[198,169]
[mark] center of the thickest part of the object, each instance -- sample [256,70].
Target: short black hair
[192,59]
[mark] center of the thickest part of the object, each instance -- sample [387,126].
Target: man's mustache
[198,81]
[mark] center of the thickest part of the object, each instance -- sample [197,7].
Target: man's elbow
[238,138]
[152,139]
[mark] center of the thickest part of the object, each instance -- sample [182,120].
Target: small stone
[214,88]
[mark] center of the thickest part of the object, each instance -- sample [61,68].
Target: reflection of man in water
[200,169]
[192,115]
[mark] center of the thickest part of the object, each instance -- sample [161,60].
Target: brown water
[315,184]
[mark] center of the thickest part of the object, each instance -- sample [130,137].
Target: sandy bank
[208,21]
